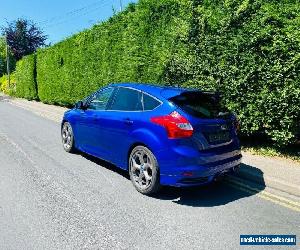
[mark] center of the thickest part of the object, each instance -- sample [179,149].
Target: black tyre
[67,137]
[144,171]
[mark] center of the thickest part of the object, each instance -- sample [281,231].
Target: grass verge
[266,148]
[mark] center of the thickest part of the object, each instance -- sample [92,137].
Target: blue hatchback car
[161,135]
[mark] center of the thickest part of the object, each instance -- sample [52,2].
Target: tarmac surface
[50,199]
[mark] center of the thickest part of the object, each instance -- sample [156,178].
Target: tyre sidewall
[72,148]
[155,184]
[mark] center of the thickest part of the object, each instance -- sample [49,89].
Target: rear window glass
[200,104]
[127,100]
[150,103]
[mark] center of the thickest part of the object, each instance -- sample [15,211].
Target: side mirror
[79,105]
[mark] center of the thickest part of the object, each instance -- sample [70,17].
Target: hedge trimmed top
[249,49]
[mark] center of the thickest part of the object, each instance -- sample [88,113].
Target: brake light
[176,125]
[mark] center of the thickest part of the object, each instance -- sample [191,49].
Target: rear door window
[100,99]
[150,103]
[200,104]
[127,99]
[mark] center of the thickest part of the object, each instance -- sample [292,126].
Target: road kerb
[275,198]
[271,182]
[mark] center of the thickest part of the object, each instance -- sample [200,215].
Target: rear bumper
[198,175]
[197,170]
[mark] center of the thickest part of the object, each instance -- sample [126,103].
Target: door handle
[128,121]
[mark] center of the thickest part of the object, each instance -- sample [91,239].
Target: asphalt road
[50,199]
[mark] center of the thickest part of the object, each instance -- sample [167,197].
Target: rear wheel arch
[135,145]
[146,138]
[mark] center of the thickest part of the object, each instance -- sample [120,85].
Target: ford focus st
[161,135]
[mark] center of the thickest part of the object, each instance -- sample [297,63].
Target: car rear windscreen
[200,104]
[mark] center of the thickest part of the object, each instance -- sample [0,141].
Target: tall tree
[23,37]
[2,56]
[3,59]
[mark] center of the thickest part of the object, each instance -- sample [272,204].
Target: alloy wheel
[67,136]
[141,167]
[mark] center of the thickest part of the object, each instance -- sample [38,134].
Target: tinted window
[100,99]
[127,100]
[150,103]
[200,104]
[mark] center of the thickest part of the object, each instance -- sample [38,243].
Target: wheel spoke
[136,178]
[147,176]
[140,178]
[141,169]
[141,159]
[135,165]
[67,136]
[147,159]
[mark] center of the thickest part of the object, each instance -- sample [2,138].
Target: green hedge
[26,86]
[248,49]
[9,89]
[134,45]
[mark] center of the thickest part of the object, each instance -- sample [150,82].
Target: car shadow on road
[217,193]
[105,164]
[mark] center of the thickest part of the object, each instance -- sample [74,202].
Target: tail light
[176,125]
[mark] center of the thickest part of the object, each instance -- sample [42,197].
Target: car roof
[155,90]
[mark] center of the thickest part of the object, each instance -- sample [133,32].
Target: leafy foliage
[2,56]
[26,78]
[134,45]
[5,87]
[23,37]
[12,60]
[248,49]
